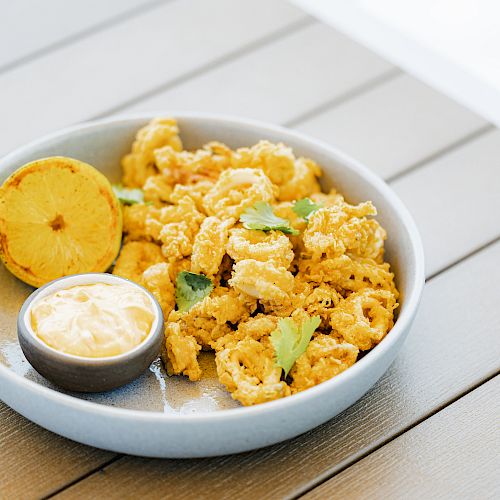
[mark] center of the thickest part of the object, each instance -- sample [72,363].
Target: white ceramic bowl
[158,434]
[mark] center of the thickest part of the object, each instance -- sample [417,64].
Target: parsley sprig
[305,208]
[190,288]
[262,217]
[291,340]
[128,196]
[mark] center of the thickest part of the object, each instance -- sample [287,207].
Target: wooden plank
[279,81]
[42,26]
[394,125]
[454,454]
[455,200]
[34,462]
[112,66]
[448,352]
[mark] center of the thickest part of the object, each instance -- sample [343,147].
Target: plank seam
[468,255]
[378,445]
[82,34]
[91,472]
[355,91]
[288,30]
[453,146]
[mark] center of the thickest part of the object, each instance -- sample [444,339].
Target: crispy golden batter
[262,280]
[249,372]
[157,190]
[348,275]
[156,279]
[275,160]
[304,182]
[271,246]
[140,163]
[209,245]
[225,305]
[365,317]
[135,257]
[182,353]
[236,190]
[195,191]
[256,327]
[186,167]
[325,357]
[332,269]
[344,228]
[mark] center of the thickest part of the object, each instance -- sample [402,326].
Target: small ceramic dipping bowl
[86,374]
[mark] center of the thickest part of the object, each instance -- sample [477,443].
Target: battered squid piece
[365,317]
[277,161]
[195,191]
[296,299]
[304,182]
[321,302]
[134,220]
[209,245]
[225,305]
[174,226]
[344,228]
[262,280]
[257,327]
[140,163]
[324,358]
[348,275]
[176,241]
[249,372]
[199,324]
[184,211]
[156,279]
[271,246]
[237,189]
[181,356]
[135,257]
[157,190]
[189,167]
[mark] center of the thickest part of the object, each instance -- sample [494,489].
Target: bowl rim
[24,323]
[400,328]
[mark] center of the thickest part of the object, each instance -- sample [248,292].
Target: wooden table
[429,428]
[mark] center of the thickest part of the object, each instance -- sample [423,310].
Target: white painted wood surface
[99,72]
[267,60]
[29,28]
[393,126]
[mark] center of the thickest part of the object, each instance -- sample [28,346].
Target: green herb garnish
[190,288]
[261,216]
[305,208]
[290,340]
[128,196]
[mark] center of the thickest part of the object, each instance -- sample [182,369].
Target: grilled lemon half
[58,216]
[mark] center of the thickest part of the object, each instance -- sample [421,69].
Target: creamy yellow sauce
[97,320]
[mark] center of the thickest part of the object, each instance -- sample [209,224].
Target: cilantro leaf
[305,208]
[261,216]
[290,340]
[128,196]
[190,288]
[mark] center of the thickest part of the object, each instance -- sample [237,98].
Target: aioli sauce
[97,320]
